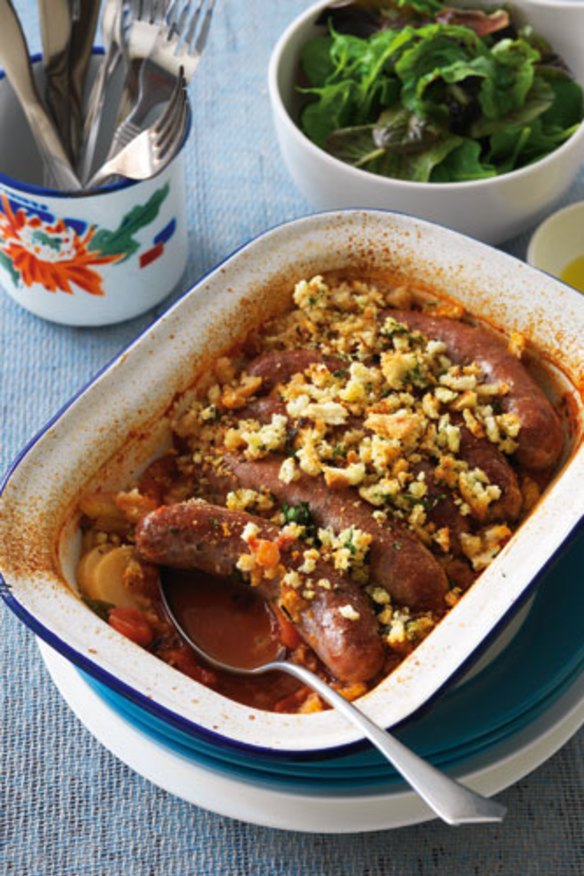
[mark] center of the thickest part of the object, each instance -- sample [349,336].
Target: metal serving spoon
[451,801]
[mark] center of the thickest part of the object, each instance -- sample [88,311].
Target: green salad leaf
[99,607]
[399,145]
[317,60]
[565,110]
[417,90]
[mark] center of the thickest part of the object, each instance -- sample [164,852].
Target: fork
[150,152]
[115,53]
[173,37]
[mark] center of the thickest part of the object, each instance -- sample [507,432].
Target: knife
[84,17]
[56,25]
[14,58]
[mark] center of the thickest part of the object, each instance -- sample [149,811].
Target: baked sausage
[441,509]
[337,621]
[398,560]
[278,366]
[540,440]
[477,452]
[481,453]
[263,409]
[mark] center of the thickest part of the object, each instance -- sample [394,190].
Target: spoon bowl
[452,802]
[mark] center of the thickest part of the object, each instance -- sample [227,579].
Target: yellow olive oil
[573,273]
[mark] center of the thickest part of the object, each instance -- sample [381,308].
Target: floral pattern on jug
[63,253]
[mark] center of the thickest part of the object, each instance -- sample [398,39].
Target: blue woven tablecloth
[68,807]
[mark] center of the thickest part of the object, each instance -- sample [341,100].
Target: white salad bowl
[492,210]
[114,426]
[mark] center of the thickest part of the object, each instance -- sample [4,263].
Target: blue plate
[382,780]
[543,659]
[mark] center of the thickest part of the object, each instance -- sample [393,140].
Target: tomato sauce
[234,624]
[228,620]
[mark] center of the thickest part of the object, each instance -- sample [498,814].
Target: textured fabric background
[67,807]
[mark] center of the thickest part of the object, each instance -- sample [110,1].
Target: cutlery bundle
[151,50]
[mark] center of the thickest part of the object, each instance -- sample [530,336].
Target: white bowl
[114,426]
[558,241]
[491,210]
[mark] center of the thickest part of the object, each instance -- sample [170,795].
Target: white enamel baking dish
[119,421]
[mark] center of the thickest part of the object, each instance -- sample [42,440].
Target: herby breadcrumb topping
[383,410]
[340,398]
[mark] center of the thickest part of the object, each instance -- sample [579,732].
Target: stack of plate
[489,728]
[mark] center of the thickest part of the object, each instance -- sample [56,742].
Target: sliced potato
[101,574]
[100,504]
[86,566]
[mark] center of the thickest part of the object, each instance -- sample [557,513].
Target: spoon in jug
[452,802]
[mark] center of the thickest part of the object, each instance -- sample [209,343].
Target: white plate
[489,773]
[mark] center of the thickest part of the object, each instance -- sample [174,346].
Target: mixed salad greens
[417,90]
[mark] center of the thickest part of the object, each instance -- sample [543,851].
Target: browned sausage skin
[398,560]
[278,366]
[540,438]
[480,453]
[407,462]
[330,612]
[477,452]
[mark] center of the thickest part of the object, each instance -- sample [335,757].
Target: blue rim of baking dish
[154,709]
[510,692]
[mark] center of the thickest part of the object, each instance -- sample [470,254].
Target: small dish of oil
[573,273]
[557,246]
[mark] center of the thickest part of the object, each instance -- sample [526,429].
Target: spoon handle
[453,802]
